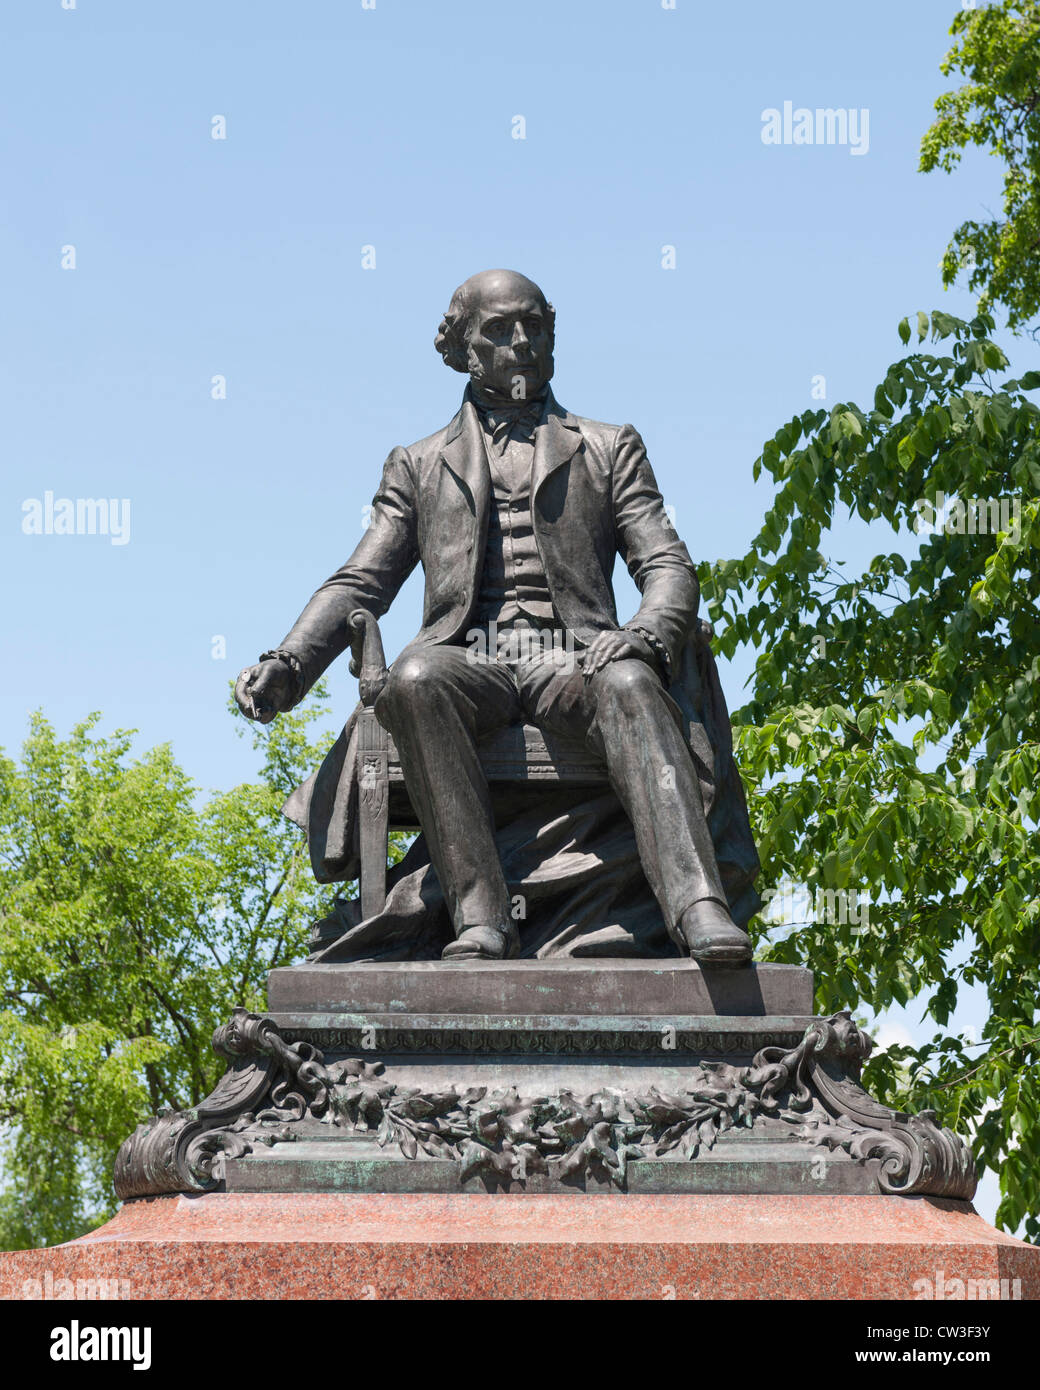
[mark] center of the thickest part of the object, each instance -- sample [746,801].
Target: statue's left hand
[613,646]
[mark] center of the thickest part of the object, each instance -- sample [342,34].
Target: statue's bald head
[492,285]
[499,328]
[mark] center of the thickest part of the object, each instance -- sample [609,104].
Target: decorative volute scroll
[822,1075]
[268,1080]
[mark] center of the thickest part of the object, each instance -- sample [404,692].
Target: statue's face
[510,340]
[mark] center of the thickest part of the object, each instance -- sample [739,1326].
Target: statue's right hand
[264,690]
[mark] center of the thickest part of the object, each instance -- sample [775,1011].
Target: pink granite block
[468,1246]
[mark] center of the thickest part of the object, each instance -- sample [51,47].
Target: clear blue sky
[392,127]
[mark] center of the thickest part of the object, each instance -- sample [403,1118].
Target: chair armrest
[372,673]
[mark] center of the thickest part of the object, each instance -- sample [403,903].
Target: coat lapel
[464,454]
[556,440]
[464,457]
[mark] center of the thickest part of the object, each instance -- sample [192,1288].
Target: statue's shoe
[483,943]
[712,937]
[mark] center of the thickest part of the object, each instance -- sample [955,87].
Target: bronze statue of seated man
[517,510]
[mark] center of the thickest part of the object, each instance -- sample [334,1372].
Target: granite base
[221,1246]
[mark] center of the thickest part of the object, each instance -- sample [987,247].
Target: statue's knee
[411,680]
[626,684]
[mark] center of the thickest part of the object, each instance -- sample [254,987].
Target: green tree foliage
[890,743]
[998,110]
[132,918]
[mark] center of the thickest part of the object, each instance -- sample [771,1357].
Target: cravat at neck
[506,419]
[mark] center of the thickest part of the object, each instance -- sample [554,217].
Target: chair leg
[373,812]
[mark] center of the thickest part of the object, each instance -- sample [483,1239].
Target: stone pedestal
[540,1129]
[535,1077]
